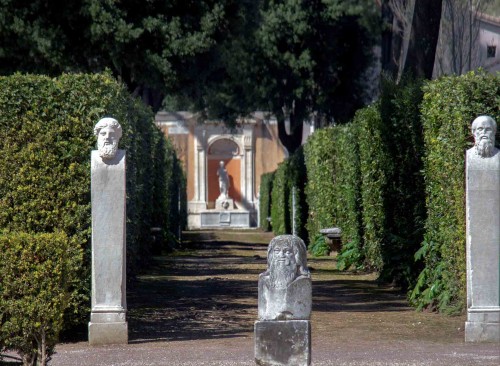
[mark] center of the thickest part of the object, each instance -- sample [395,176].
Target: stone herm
[108,323]
[283,331]
[483,234]
[285,290]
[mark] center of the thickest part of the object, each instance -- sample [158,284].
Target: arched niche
[227,150]
[223,147]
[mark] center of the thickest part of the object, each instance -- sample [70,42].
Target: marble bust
[108,132]
[484,129]
[285,290]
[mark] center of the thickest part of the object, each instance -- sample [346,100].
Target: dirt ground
[198,307]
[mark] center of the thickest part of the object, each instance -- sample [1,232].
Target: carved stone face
[484,130]
[283,255]
[286,260]
[108,132]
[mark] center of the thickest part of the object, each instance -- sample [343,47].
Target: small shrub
[36,274]
[319,247]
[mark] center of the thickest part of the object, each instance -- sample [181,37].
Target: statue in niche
[223,181]
[285,290]
[484,129]
[108,132]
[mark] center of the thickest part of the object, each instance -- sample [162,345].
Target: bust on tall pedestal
[108,324]
[483,234]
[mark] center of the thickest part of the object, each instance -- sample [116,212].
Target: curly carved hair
[108,122]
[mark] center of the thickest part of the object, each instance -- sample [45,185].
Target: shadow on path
[210,290]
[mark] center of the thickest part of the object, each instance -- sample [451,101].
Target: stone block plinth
[286,343]
[108,325]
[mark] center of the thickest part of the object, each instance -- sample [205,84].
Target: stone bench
[333,237]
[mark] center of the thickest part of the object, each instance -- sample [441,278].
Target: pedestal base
[108,333]
[224,204]
[283,343]
[483,325]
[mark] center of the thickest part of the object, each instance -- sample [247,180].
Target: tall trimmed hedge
[449,107]
[290,174]
[404,190]
[46,136]
[373,169]
[365,177]
[319,155]
[266,187]
[333,189]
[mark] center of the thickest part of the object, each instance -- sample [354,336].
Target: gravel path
[198,308]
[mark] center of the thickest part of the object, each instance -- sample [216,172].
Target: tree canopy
[297,59]
[144,43]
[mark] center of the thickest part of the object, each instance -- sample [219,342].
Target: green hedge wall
[319,154]
[279,198]
[46,135]
[405,191]
[266,187]
[290,173]
[36,273]
[374,163]
[449,107]
[333,189]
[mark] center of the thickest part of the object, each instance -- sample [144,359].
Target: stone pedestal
[222,204]
[286,343]
[108,323]
[483,248]
[283,331]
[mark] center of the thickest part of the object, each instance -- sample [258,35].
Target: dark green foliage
[318,247]
[293,58]
[450,105]
[297,179]
[37,272]
[266,187]
[405,191]
[152,46]
[289,177]
[46,136]
[279,198]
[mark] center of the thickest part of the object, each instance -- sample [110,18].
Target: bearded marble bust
[108,132]
[285,289]
[484,129]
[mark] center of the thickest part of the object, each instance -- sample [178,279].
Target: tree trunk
[293,140]
[387,34]
[423,39]
[149,96]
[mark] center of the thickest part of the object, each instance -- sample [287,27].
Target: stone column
[283,331]
[200,172]
[483,235]
[108,323]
